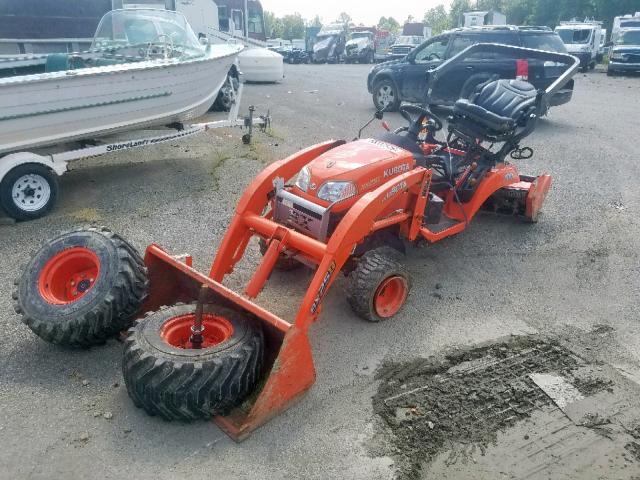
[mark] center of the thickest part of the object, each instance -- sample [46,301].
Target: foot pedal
[443,225]
[433,212]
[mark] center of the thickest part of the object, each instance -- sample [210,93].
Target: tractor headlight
[302,182]
[335,191]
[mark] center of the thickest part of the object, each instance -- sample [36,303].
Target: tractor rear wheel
[379,285]
[166,377]
[81,288]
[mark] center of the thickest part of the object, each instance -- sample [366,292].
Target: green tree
[292,26]
[316,22]
[269,22]
[438,19]
[390,24]
[344,18]
[458,7]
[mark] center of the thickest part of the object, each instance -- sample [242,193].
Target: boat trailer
[28,180]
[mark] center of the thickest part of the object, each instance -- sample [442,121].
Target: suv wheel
[385,96]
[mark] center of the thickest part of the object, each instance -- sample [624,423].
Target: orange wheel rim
[177,330]
[69,275]
[390,296]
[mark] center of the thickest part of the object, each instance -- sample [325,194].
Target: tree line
[532,12]
[440,18]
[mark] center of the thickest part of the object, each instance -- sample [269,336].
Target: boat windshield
[147,28]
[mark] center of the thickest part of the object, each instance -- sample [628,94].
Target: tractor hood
[366,164]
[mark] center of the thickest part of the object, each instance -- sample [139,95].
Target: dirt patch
[634,449]
[465,398]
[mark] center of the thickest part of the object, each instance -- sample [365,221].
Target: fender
[9,162]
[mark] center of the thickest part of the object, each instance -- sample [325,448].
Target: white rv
[582,40]
[490,17]
[624,21]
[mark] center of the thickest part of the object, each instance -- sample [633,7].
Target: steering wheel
[167,45]
[415,116]
[434,56]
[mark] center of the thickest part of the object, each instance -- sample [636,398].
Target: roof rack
[544,28]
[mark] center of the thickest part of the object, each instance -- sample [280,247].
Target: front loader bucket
[289,369]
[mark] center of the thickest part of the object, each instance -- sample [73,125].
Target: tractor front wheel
[166,376]
[379,285]
[81,288]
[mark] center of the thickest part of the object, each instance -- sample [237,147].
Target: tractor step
[444,224]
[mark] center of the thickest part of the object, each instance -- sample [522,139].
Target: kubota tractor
[207,351]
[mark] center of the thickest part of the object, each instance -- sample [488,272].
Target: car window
[460,42]
[434,50]
[550,42]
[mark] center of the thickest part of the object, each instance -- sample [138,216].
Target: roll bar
[573,63]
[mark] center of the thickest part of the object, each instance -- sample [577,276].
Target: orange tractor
[352,207]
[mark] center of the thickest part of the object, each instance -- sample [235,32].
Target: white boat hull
[51,108]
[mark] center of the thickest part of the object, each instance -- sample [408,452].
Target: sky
[361,11]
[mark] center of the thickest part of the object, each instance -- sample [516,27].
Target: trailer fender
[9,162]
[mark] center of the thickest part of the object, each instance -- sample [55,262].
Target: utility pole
[246,19]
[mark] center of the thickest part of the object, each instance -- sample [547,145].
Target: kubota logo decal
[323,287]
[390,172]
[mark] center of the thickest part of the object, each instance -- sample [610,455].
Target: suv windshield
[632,37]
[567,35]
[550,42]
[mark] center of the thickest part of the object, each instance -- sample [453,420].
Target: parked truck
[413,34]
[367,45]
[330,43]
[624,21]
[582,40]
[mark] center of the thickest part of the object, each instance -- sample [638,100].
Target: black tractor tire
[283,263]
[108,305]
[35,177]
[226,95]
[372,270]
[393,105]
[187,384]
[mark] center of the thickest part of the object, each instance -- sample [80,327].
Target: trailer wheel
[167,378]
[379,285]
[81,288]
[28,191]
[283,263]
[227,94]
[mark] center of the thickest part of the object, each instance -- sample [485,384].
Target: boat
[145,68]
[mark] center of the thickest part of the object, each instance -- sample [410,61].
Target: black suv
[396,81]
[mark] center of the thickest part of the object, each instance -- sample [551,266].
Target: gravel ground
[65,414]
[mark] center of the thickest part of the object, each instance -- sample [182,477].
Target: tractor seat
[403,142]
[498,107]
